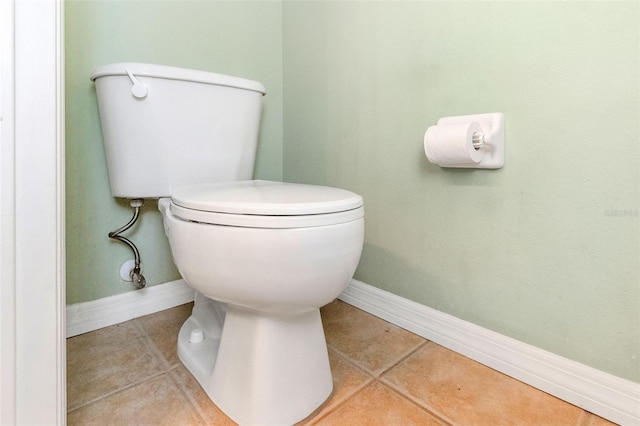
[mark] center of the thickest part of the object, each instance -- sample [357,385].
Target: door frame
[32,253]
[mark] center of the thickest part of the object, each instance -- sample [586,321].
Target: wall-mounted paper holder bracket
[493,137]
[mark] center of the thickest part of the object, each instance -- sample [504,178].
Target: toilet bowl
[262,256]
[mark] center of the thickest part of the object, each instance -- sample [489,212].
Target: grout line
[583,420]
[314,417]
[403,357]
[144,339]
[587,418]
[113,392]
[351,361]
[315,420]
[415,402]
[151,345]
[171,372]
[378,373]
[370,379]
[148,343]
[420,403]
[186,394]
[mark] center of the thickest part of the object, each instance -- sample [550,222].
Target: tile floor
[129,374]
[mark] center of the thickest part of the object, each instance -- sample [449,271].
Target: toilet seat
[265,204]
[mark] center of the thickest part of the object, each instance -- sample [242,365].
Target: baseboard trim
[608,396]
[89,316]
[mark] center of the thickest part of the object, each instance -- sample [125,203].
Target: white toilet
[262,256]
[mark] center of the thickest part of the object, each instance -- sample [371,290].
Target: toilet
[262,256]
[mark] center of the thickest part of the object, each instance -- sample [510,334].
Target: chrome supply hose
[136,273]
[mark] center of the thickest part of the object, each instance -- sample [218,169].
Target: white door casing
[32,283]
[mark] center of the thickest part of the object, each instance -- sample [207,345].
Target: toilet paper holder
[490,141]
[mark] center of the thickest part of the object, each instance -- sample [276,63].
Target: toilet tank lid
[175,73]
[266,198]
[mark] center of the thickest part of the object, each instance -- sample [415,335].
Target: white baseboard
[608,396]
[89,316]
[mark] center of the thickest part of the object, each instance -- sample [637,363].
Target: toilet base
[259,369]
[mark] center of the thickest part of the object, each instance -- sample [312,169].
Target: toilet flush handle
[138,90]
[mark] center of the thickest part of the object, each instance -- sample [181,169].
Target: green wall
[229,37]
[545,250]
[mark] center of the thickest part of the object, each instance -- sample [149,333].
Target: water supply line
[136,273]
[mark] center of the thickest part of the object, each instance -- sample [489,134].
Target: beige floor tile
[347,380]
[207,409]
[154,402]
[163,328]
[465,392]
[106,360]
[378,405]
[372,343]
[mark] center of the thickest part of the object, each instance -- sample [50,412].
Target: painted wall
[545,250]
[228,37]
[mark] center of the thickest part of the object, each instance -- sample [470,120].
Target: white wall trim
[608,396]
[89,316]
[39,268]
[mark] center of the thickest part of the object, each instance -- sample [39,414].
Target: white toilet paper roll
[452,145]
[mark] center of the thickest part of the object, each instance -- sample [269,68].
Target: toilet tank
[165,126]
